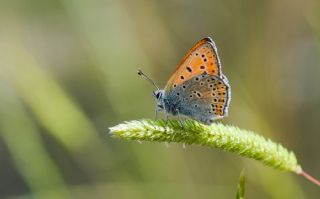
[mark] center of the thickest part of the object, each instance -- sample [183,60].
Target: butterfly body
[197,88]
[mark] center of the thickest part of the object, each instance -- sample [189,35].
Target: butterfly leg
[166,118]
[156,113]
[180,119]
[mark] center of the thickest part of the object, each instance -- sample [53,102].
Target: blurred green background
[68,72]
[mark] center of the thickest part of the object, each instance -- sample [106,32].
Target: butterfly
[197,88]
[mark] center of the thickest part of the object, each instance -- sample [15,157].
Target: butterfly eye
[158,95]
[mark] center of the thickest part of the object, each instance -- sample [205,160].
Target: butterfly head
[158,94]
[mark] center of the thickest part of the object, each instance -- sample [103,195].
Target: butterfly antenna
[147,78]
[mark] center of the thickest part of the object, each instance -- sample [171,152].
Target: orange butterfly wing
[202,57]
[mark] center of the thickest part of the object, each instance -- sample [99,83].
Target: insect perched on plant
[197,88]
